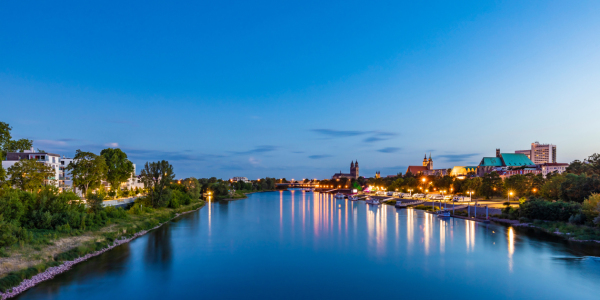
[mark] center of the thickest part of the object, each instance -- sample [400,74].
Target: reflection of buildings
[427,168]
[353,172]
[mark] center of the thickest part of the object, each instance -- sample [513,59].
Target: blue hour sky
[299,89]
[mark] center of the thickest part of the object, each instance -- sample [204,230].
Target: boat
[399,204]
[373,201]
[353,197]
[340,196]
[443,213]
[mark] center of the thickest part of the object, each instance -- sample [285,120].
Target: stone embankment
[53,271]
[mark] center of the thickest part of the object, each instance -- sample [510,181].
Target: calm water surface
[296,245]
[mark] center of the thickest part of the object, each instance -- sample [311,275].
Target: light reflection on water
[251,249]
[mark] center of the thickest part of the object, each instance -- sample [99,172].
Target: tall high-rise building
[540,153]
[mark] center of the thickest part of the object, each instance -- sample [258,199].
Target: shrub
[549,211]
[591,208]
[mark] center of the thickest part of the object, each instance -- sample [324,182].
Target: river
[296,245]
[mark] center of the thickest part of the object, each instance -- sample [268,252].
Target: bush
[591,208]
[549,211]
[577,219]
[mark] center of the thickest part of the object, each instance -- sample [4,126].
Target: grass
[426,207]
[575,232]
[50,248]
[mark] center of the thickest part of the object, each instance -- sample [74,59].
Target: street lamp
[470,196]
[509,194]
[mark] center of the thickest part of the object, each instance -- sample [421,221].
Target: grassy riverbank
[52,247]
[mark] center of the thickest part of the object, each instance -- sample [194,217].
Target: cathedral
[427,168]
[353,172]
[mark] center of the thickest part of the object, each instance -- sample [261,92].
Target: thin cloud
[259,149]
[379,136]
[319,156]
[458,157]
[112,145]
[338,133]
[373,135]
[51,142]
[389,150]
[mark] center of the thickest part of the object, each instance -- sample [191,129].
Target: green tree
[578,187]
[590,208]
[517,184]
[29,175]
[551,188]
[8,145]
[192,187]
[119,167]
[88,170]
[156,177]
[590,165]
[491,185]
[2,176]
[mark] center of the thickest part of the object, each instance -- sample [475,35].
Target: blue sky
[299,89]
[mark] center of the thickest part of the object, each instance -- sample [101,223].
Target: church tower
[430,163]
[356,170]
[425,160]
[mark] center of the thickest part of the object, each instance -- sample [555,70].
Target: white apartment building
[540,153]
[236,179]
[548,168]
[49,159]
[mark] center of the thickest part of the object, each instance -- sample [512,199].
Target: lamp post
[470,196]
[509,194]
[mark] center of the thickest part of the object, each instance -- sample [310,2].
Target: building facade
[540,153]
[548,168]
[426,168]
[352,175]
[504,162]
[236,179]
[49,159]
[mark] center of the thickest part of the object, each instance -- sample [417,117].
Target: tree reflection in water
[159,247]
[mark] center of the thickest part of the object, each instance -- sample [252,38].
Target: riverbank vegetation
[42,229]
[42,225]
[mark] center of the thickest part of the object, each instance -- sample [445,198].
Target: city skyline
[257,90]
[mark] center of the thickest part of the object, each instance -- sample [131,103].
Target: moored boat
[443,214]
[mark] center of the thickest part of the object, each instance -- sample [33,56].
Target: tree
[578,187]
[192,187]
[28,174]
[491,184]
[590,165]
[517,184]
[88,170]
[2,176]
[551,188]
[8,145]
[156,177]
[119,167]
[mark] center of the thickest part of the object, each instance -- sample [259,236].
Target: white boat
[340,196]
[443,214]
[353,197]
[373,201]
